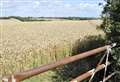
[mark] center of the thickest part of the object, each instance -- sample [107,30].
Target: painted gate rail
[17,77]
[89,73]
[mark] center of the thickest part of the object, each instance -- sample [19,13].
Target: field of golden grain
[26,45]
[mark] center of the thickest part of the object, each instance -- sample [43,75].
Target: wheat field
[25,45]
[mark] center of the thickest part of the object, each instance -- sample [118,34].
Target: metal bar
[89,73]
[109,76]
[29,73]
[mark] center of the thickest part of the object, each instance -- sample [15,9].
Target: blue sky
[51,8]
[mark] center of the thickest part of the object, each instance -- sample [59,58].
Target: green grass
[45,77]
[49,76]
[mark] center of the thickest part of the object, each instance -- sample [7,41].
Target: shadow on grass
[72,70]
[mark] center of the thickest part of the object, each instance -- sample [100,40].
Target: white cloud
[37,2]
[52,7]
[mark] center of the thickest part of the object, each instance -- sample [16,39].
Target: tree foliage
[111,26]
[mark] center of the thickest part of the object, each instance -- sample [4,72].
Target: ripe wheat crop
[25,45]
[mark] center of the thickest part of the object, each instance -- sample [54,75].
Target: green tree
[111,26]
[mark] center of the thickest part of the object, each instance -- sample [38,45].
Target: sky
[51,8]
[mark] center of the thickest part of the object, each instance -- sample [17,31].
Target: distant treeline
[80,18]
[48,18]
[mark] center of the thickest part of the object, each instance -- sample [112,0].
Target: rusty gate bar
[29,73]
[89,73]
